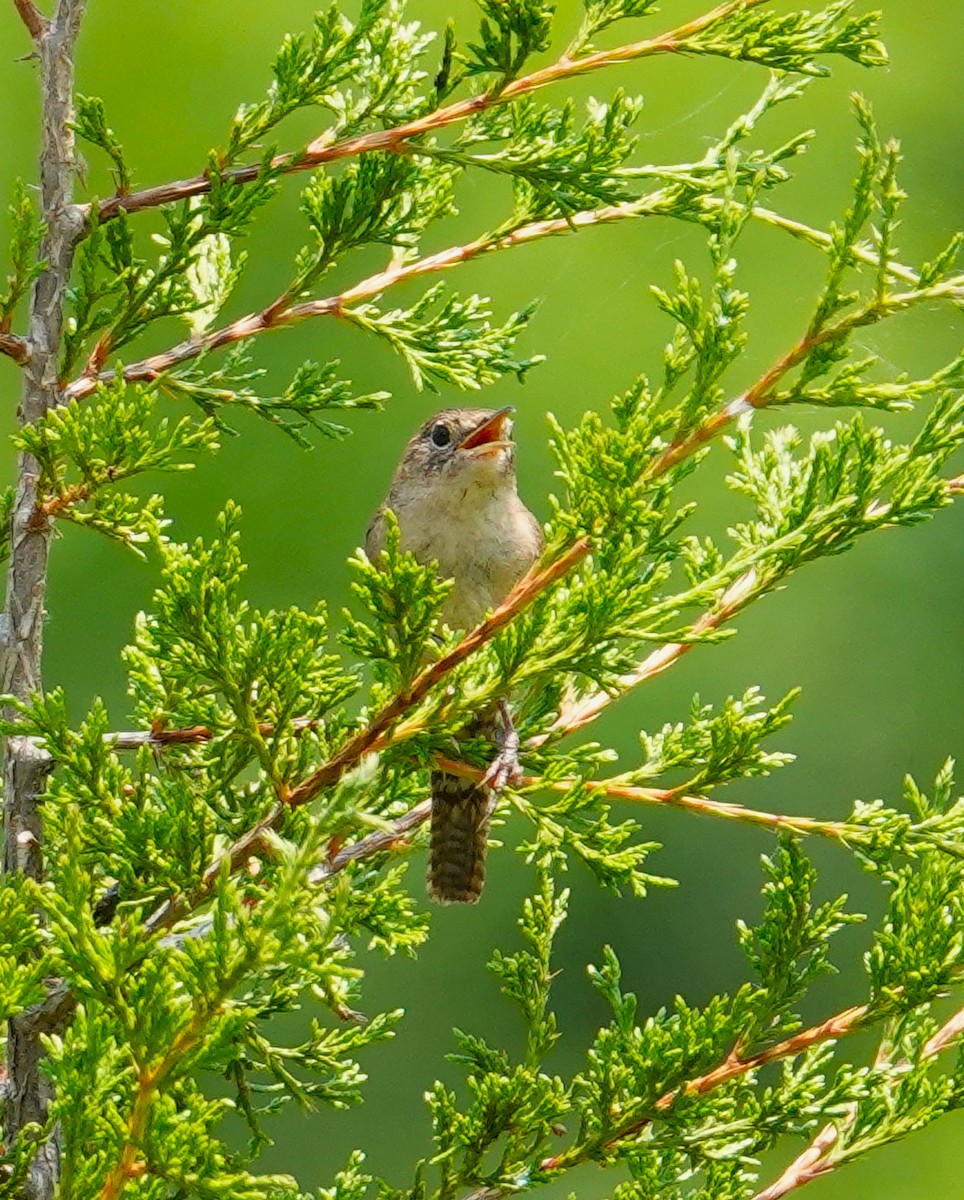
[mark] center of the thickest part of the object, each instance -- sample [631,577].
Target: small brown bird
[454,497]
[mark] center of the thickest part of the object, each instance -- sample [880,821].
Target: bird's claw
[505,767]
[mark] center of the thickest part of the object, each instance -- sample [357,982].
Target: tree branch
[34,20]
[322,151]
[863,252]
[279,314]
[809,1165]
[25,769]
[667,798]
[732,1067]
[817,1159]
[373,737]
[276,316]
[15,347]
[577,713]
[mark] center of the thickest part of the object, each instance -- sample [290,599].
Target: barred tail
[460,824]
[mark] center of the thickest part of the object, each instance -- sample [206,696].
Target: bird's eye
[441,435]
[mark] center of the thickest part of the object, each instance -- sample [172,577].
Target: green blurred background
[874,637]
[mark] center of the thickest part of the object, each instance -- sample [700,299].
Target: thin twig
[862,252]
[949,1033]
[279,315]
[732,1067]
[665,798]
[764,390]
[322,151]
[391,837]
[811,1164]
[577,713]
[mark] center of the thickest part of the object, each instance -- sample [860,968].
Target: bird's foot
[505,767]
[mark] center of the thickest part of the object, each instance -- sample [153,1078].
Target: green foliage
[86,450]
[643,1097]
[556,167]
[234,858]
[25,265]
[714,747]
[600,14]
[362,73]
[403,601]
[315,390]
[508,35]
[21,961]
[448,340]
[790,948]
[793,41]
[380,199]
[90,123]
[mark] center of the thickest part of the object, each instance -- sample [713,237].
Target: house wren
[454,497]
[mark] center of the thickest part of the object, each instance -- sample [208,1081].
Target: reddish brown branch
[731,1068]
[55,506]
[279,313]
[15,347]
[575,715]
[31,16]
[667,798]
[322,150]
[817,1159]
[763,392]
[375,735]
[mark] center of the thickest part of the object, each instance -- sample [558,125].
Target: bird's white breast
[480,533]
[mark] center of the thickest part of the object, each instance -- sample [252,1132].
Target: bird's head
[463,447]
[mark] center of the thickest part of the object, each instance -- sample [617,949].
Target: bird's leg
[505,767]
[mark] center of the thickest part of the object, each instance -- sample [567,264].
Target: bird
[455,500]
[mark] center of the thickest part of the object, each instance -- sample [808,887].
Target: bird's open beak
[491,436]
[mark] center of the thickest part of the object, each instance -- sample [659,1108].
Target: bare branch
[322,151]
[15,347]
[24,769]
[31,16]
